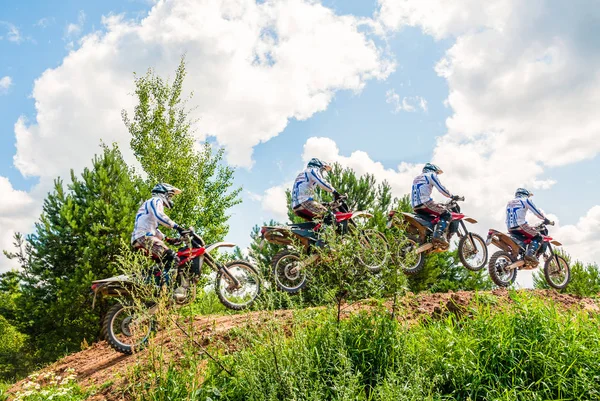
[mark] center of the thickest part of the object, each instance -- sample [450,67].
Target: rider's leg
[440,229]
[534,245]
[160,252]
[439,210]
[319,212]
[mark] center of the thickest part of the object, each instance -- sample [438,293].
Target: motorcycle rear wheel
[558,274]
[285,272]
[374,251]
[243,296]
[465,252]
[499,275]
[126,328]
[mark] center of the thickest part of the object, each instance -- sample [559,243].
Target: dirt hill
[103,368]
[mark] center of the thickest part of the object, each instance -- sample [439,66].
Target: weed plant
[530,350]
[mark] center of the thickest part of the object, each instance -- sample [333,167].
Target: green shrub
[527,351]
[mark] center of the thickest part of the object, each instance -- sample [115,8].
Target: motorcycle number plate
[389,224]
[488,240]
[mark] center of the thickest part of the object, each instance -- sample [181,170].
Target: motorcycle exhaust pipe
[424,247]
[308,261]
[513,266]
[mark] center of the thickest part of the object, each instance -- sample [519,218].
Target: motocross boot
[439,234]
[531,251]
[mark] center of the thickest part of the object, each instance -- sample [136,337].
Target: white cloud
[400,178]
[523,87]
[17,212]
[44,22]
[254,197]
[408,104]
[74,29]
[252,66]
[275,203]
[12,33]
[449,17]
[5,83]
[581,240]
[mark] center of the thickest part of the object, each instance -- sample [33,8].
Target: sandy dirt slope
[100,363]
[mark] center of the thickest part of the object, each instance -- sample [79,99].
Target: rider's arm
[321,182]
[158,210]
[534,209]
[439,186]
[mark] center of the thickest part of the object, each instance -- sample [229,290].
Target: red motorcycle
[472,251]
[127,326]
[289,271]
[504,264]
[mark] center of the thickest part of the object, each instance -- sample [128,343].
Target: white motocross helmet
[165,192]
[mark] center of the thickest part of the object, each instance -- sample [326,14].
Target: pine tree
[80,233]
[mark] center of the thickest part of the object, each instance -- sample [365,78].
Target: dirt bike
[504,264]
[289,270]
[127,326]
[419,231]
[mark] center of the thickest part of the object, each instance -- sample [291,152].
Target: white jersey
[149,216]
[423,186]
[516,211]
[304,186]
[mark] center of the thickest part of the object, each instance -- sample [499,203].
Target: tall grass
[530,350]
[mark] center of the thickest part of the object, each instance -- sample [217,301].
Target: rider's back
[305,183]
[423,186]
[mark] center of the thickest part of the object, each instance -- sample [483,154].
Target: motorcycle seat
[425,220]
[309,225]
[518,238]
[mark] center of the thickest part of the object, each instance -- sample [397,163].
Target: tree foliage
[163,142]
[443,272]
[85,224]
[585,279]
[78,237]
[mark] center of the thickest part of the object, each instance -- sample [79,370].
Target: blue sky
[507,128]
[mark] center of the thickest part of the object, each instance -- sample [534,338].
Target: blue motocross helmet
[316,163]
[430,167]
[523,193]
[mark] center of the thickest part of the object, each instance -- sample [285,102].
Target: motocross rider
[150,215]
[422,202]
[516,223]
[303,191]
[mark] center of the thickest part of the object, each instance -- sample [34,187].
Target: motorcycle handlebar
[190,233]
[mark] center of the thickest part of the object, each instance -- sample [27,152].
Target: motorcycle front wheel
[127,328]
[243,295]
[286,272]
[472,252]
[497,269]
[373,252]
[557,272]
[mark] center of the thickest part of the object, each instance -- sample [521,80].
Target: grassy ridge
[523,347]
[528,350]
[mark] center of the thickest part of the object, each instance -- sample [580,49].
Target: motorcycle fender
[218,245]
[555,242]
[365,214]
[470,220]
[122,278]
[94,300]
